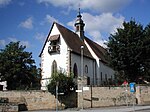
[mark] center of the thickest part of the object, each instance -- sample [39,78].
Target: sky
[29,21]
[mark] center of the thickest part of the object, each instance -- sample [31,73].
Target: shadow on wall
[67,101]
[22,107]
[7,106]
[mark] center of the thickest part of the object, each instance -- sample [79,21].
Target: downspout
[95,74]
[93,71]
[69,61]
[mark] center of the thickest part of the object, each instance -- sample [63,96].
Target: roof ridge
[65,27]
[73,40]
[98,49]
[95,43]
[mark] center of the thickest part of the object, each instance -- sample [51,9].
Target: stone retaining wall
[94,97]
[6,107]
[105,96]
[143,94]
[112,96]
[34,100]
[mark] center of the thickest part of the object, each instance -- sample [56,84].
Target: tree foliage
[129,50]
[65,84]
[18,68]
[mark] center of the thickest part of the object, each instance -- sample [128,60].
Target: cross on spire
[79,14]
[79,24]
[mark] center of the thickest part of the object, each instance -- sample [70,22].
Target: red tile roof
[98,50]
[74,43]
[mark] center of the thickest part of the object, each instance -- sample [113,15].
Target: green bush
[65,83]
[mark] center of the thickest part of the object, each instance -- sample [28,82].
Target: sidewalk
[106,109]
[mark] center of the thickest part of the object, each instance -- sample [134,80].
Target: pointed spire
[79,14]
[79,24]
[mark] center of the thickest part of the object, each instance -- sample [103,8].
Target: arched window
[54,67]
[106,77]
[75,70]
[101,76]
[86,69]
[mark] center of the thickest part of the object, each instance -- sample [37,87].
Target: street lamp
[82,47]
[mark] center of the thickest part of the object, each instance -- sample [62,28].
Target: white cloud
[96,26]
[50,19]
[105,22]
[40,36]
[4,2]
[96,5]
[21,3]
[95,34]
[28,23]
[102,43]
[2,43]
[22,42]
[25,43]
[58,2]
[104,5]
[99,26]
[12,39]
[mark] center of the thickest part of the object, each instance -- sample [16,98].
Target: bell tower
[79,24]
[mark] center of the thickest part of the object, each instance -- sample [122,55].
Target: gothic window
[75,70]
[86,69]
[106,77]
[101,76]
[77,28]
[111,77]
[54,67]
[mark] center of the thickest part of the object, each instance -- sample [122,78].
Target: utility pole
[82,47]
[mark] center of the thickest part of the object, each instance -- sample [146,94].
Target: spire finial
[79,24]
[79,12]
[79,9]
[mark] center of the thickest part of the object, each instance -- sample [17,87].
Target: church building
[75,53]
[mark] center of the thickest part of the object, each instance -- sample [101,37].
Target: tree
[129,50]
[65,84]
[18,68]
[146,52]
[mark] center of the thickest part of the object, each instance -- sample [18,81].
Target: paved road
[144,110]
[107,109]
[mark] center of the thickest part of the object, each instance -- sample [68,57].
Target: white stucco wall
[4,83]
[47,59]
[106,71]
[100,68]
[86,61]
[95,67]
[96,64]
